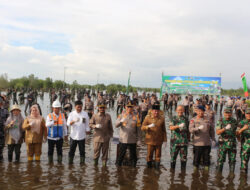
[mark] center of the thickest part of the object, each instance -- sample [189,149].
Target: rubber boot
[59,159]
[220,168]
[157,165]
[50,159]
[71,160]
[82,160]
[10,156]
[206,168]
[17,157]
[104,163]
[173,165]
[183,166]
[232,167]
[95,162]
[149,164]
[195,168]
[37,158]
[30,158]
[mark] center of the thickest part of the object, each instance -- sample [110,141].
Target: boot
[71,160]
[104,163]
[59,159]
[149,164]
[173,165]
[232,167]
[82,160]
[37,158]
[30,158]
[10,157]
[50,159]
[206,168]
[17,157]
[220,168]
[157,165]
[195,168]
[96,162]
[183,165]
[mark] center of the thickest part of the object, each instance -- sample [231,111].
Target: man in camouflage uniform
[179,138]
[244,132]
[3,116]
[226,129]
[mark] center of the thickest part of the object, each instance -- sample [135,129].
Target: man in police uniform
[226,129]
[89,106]
[209,113]
[203,132]
[3,116]
[244,132]
[179,138]
[130,134]
[101,123]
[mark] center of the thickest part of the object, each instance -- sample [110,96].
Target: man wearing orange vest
[57,130]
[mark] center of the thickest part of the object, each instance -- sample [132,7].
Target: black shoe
[173,165]
[157,165]
[149,164]
[183,165]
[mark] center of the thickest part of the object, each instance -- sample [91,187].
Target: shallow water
[44,176]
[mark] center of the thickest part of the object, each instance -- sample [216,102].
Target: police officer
[226,130]
[244,132]
[179,138]
[203,132]
[89,106]
[129,124]
[3,117]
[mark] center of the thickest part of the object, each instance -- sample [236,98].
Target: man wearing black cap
[203,132]
[129,124]
[154,125]
[3,117]
[226,130]
[101,123]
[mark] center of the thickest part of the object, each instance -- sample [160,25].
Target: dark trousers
[119,109]
[202,152]
[143,115]
[122,151]
[11,149]
[90,115]
[1,146]
[186,108]
[51,145]
[73,145]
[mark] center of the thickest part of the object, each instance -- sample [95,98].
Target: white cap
[56,104]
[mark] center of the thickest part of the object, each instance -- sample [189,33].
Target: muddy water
[44,176]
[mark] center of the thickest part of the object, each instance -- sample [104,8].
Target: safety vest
[57,129]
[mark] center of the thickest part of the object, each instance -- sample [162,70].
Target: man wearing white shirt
[57,129]
[78,121]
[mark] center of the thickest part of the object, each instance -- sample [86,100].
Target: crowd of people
[139,119]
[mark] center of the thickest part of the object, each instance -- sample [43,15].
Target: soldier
[3,117]
[179,138]
[129,124]
[89,106]
[203,133]
[101,123]
[226,129]
[154,125]
[244,132]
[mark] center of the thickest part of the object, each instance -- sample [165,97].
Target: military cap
[228,110]
[129,104]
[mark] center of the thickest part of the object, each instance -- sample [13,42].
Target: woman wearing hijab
[35,133]
[14,132]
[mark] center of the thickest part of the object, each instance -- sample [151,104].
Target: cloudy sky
[109,38]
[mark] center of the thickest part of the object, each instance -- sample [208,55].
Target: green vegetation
[35,83]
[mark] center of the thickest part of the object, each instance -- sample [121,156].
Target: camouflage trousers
[175,150]
[223,150]
[244,154]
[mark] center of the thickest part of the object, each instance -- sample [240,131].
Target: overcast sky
[109,38]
